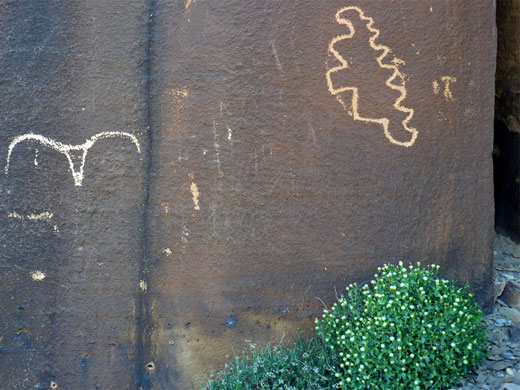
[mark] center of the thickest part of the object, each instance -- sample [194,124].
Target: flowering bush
[408,330]
[306,365]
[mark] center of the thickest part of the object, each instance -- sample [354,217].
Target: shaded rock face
[506,167]
[181,180]
[507,125]
[508,64]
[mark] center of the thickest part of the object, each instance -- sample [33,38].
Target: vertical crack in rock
[141,376]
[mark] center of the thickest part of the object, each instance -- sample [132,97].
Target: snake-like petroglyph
[67,150]
[390,82]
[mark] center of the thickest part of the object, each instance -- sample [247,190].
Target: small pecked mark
[37,276]
[195,196]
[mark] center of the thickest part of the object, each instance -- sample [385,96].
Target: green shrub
[408,330]
[306,365]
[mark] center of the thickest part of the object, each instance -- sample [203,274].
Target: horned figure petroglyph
[396,81]
[67,150]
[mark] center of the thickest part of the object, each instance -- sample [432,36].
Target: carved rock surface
[253,187]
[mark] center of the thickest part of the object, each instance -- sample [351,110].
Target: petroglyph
[188,3]
[167,251]
[185,234]
[435,86]
[37,276]
[73,159]
[180,93]
[352,108]
[448,81]
[45,216]
[195,195]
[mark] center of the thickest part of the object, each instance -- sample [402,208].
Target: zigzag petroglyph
[384,122]
[77,173]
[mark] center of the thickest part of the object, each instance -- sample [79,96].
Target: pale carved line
[355,92]
[65,149]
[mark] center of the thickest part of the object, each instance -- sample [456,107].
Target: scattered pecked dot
[37,276]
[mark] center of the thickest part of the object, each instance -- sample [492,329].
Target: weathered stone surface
[294,195]
[506,158]
[269,173]
[511,314]
[511,295]
[508,64]
[514,333]
[70,257]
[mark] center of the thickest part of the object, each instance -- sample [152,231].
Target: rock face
[507,126]
[511,295]
[508,64]
[181,180]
